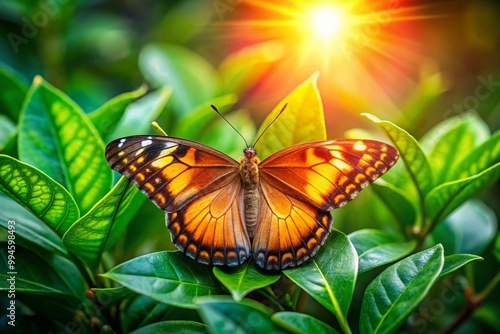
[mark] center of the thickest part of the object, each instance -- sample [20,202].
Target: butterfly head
[249,152]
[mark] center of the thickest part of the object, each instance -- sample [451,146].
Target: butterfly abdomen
[249,173]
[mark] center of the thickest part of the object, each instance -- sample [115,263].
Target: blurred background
[416,63]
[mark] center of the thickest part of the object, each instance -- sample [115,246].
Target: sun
[326,22]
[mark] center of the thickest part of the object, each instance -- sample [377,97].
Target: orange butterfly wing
[197,186]
[300,184]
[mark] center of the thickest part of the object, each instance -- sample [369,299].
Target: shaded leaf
[8,131]
[302,121]
[43,274]
[168,277]
[496,247]
[111,296]
[469,229]
[142,311]
[376,248]
[139,115]
[465,131]
[456,261]
[178,327]
[58,138]
[397,202]
[106,117]
[13,90]
[301,323]
[104,223]
[482,157]
[448,196]
[245,278]
[38,193]
[192,79]
[393,294]
[330,276]
[223,315]
[29,228]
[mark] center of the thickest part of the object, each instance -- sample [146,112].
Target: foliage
[73,216]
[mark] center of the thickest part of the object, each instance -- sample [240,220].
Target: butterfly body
[221,211]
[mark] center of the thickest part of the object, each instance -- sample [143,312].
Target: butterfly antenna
[267,127]
[224,118]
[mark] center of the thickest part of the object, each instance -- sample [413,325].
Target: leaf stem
[270,295]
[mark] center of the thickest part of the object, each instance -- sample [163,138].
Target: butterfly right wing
[197,186]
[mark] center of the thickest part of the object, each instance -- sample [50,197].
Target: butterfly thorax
[249,173]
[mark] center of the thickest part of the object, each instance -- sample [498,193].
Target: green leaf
[223,315]
[139,115]
[8,131]
[13,90]
[101,227]
[393,294]
[42,273]
[168,277]
[376,248]
[58,138]
[106,117]
[496,247]
[111,296]
[302,121]
[192,79]
[413,157]
[245,278]
[29,228]
[448,196]
[38,193]
[397,202]
[142,311]
[241,70]
[178,327]
[330,276]
[465,131]
[456,261]
[484,156]
[301,323]
[469,229]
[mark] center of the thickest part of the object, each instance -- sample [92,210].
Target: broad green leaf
[241,70]
[484,156]
[397,202]
[141,311]
[448,196]
[330,276]
[245,278]
[139,115]
[465,131]
[29,228]
[104,223]
[38,193]
[223,315]
[175,326]
[42,273]
[192,79]
[393,294]
[376,248]
[411,153]
[58,138]
[13,90]
[301,323]
[8,131]
[168,277]
[456,261]
[106,117]
[469,229]
[302,121]
[496,247]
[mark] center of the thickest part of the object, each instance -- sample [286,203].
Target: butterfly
[221,211]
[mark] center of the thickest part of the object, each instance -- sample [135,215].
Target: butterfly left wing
[199,188]
[301,184]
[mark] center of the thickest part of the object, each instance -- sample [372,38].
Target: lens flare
[326,22]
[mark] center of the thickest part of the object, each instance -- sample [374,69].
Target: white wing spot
[158,180]
[146,142]
[169,144]
[149,137]
[121,142]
